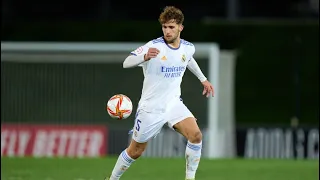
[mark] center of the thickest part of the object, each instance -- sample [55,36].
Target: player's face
[171,31]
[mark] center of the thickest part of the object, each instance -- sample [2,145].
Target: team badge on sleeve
[139,50]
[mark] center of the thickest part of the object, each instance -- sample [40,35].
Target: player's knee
[195,137]
[135,151]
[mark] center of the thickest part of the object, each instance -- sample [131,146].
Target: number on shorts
[138,125]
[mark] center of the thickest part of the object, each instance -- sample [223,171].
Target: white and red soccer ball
[119,106]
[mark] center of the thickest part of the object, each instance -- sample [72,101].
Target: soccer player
[164,61]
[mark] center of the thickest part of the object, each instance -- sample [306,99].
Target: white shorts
[149,124]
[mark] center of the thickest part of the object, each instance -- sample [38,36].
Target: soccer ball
[119,106]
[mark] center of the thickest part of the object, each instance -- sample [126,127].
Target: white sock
[193,155]
[123,163]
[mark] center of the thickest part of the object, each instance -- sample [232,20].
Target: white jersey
[163,74]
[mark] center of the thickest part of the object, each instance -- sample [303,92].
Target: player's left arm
[195,69]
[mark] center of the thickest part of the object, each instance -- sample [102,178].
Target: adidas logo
[164,58]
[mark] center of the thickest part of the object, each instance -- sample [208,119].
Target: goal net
[69,83]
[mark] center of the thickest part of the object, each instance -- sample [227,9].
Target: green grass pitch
[157,169]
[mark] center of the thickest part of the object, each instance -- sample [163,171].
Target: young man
[164,61]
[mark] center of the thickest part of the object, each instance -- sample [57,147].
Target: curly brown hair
[171,13]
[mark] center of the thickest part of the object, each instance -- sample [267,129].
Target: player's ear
[181,27]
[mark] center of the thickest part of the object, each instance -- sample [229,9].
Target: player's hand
[207,88]
[152,53]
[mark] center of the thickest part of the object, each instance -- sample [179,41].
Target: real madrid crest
[183,58]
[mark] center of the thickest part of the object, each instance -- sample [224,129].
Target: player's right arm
[140,55]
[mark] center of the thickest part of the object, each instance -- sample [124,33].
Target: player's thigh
[189,128]
[183,121]
[147,125]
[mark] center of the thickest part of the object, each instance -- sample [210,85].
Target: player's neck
[174,44]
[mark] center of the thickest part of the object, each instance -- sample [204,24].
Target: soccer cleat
[190,179]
